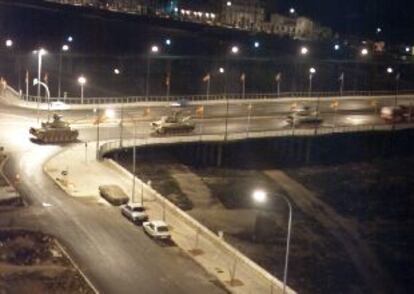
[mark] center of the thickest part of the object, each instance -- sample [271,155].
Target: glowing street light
[221,70]
[228,3]
[154,50]
[390,70]
[364,51]
[260,197]
[379,30]
[168,42]
[117,71]
[304,50]
[234,49]
[70,39]
[65,48]
[9,43]
[292,10]
[256,44]
[82,82]
[312,71]
[337,47]
[407,49]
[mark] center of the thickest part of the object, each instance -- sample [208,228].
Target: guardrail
[214,97]
[214,137]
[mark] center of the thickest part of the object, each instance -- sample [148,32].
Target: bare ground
[31,262]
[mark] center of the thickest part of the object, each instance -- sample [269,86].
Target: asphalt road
[115,255]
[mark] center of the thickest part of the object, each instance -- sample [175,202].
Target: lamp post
[82,82]
[312,71]
[39,83]
[260,197]
[40,54]
[65,48]
[154,50]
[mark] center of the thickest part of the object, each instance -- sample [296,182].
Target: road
[115,255]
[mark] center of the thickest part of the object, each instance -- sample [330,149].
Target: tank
[57,131]
[304,115]
[173,124]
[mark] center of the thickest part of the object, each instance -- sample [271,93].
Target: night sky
[395,17]
[349,17]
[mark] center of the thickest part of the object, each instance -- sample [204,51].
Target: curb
[58,244]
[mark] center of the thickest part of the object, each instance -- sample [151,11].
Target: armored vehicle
[304,115]
[57,131]
[173,124]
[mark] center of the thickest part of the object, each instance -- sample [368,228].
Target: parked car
[180,103]
[157,229]
[135,212]
[113,194]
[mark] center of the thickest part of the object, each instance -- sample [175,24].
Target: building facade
[243,14]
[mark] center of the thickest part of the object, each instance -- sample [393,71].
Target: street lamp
[40,54]
[65,48]
[364,52]
[39,83]
[154,50]
[228,3]
[235,50]
[260,197]
[312,71]
[390,70]
[256,44]
[117,71]
[304,50]
[70,39]
[168,42]
[337,47]
[292,10]
[221,70]
[82,82]
[9,43]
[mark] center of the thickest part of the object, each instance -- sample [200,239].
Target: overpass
[355,114]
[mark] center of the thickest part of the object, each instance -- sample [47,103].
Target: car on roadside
[180,103]
[157,229]
[58,105]
[135,212]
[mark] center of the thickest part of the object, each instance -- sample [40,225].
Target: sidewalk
[234,270]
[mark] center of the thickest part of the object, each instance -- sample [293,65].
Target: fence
[215,97]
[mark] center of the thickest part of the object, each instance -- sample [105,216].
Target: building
[297,28]
[243,14]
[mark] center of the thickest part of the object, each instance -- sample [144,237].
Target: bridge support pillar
[219,155]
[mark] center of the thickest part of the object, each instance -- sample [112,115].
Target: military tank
[57,131]
[173,124]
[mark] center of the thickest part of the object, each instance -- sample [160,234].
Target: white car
[135,212]
[157,229]
[58,105]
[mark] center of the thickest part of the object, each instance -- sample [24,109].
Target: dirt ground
[352,223]
[31,262]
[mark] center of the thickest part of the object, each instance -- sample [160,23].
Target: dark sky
[396,17]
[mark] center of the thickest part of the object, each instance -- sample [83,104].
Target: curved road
[114,254]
